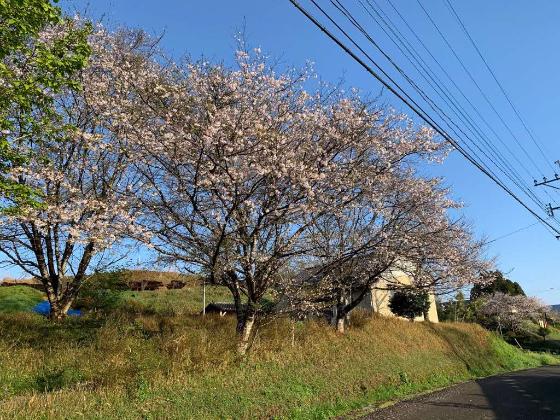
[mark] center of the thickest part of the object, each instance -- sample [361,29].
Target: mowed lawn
[151,355]
[19,298]
[184,301]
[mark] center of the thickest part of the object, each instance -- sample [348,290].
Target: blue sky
[518,38]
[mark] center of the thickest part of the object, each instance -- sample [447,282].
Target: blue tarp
[44,308]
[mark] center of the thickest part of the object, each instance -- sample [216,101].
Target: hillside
[154,357]
[556,307]
[19,298]
[129,279]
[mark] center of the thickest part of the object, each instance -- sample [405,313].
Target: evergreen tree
[497,284]
[409,303]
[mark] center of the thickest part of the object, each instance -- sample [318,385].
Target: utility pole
[550,210]
[548,183]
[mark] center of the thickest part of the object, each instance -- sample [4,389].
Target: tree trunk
[347,301]
[231,282]
[239,311]
[61,299]
[240,323]
[67,303]
[426,316]
[343,308]
[340,324]
[334,317]
[247,330]
[58,311]
[62,302]
[341,316]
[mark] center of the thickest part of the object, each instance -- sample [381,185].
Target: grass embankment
[18,298]
[532,341]
[152,360]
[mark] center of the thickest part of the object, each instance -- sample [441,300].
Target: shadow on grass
[56,379]
[35,331]
[454,336]
[548,346]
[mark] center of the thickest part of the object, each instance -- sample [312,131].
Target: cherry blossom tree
[239,164]
[506,312]
[408,233]
[451,259]
[82,173]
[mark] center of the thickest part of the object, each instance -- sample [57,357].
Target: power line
[455,106]
[407,100]
[502,89]
[452,80]
[517,113]
[464,67]
[479,130]
[430,102]
[511,233]
[441,90]
[512,175]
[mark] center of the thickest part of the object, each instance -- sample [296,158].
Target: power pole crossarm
[547,182]
[550,210]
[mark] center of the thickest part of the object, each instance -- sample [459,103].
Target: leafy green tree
[409,303]
[460,307]
[36,62]
[496,283]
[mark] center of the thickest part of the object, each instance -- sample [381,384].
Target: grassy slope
[19,298]
[155,359]
[177,302]
[534,342]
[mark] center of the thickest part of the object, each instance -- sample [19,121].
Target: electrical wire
[507,235]
[401,94]
[515,110]
[454,83]
[502,89]
[432,104]
[471,77]
[519,183]
[442,68]
[441,90]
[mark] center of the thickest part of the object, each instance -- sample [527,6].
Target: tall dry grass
[145,363]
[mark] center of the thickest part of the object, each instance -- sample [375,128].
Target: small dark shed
[220,308]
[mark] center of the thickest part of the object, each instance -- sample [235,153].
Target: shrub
[102,291]
[409,303]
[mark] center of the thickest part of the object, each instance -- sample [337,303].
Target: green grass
[18,298]
[176,302]
[532,341]
[154,357]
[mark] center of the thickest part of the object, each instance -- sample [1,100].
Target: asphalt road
[530,394]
